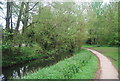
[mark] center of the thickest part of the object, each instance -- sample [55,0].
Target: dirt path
[107,70]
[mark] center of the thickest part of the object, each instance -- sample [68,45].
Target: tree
[103,31]
[19,16]
[8,16]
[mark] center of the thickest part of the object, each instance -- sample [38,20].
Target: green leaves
[102,23]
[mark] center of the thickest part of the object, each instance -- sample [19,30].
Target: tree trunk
[11,18]
[8,17]
[19,17]
[26,15]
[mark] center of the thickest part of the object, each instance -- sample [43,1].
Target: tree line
[59,28]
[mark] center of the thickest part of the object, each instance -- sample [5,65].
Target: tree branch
[32,7]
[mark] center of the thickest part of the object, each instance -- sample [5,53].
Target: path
[107,70]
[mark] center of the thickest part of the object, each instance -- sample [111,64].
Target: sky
[3,12]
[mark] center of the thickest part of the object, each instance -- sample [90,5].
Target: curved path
[107,70]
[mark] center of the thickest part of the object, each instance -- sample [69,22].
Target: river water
[19,70]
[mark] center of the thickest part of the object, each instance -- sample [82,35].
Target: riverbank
[18,57]
[79,66]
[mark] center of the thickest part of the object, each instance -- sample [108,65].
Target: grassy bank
[79,66]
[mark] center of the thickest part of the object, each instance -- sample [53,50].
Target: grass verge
[111,52]
[82,65]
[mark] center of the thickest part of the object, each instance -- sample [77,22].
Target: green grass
[88,46]
[82,65]
[111,52]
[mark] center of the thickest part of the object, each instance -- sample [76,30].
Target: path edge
[98,72]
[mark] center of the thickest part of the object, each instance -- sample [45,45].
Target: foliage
[56,30]
[51,33]
[18,55]
[103,28]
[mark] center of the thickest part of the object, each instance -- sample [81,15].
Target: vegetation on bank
[79,66]
[58,29]
[56,39]
[18,55]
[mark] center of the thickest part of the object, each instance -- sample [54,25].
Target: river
[19,70]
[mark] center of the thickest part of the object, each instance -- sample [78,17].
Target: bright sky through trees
[3,12]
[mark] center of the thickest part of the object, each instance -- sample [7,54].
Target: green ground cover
[79,66]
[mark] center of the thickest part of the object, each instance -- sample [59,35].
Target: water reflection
[21,72]
[17,71]
[1,77]
[14,73]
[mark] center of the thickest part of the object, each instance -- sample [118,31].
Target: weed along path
[107,70]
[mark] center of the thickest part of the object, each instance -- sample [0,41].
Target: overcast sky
[3,12]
